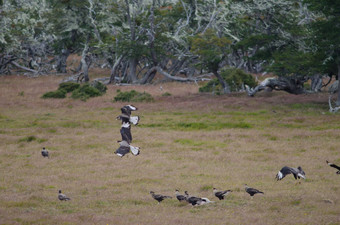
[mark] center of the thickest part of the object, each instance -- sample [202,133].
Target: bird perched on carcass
[194,201]
[221,194]
[44,153]
[62,197]
[125,148]
[252,191]
[334,166]
[158,197]
[297,173]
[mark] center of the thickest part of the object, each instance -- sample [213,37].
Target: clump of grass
[21,93]
[60,93]
[166,94]
[28,139]
[206,188]
[133,96]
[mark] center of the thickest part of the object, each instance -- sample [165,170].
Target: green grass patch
[28,139]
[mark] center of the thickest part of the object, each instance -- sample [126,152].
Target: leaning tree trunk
[225,86]
[291,85]
[61,62]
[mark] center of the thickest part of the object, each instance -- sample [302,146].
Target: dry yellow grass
[188,141]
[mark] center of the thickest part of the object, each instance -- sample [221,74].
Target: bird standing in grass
[158,197]
[62,197]
[220,194]
[252,191]
[180,197]
[334,166]
[44,153]
[297,172]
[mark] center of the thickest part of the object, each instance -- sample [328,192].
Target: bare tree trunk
[61,62]
[114,69]
[338,99]
[84,65]
[132,61]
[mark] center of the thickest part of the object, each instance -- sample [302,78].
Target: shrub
[85,92]
[99,86]
[133,96]
[234,78]
[60,93]
[166,94]
[68,86]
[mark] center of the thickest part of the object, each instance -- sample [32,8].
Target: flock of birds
[126,147]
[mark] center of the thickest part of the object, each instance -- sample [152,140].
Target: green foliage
[133,96]
[82,92]
[99,86]
[290,61]
[210,48]
[166,94]
[234,78]
[60,93]
[85,92]
[69,86]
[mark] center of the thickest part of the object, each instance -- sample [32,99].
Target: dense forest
[183,40]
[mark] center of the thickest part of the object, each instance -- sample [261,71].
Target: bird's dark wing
[194,200]
[181,198]
[253,191]
[44,153]
[124,118]
[333,165]
[284,172]
[126,134]
[122,150]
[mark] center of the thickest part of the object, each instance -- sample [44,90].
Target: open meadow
[189,141]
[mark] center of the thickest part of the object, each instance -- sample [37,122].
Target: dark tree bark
[5,60]
[291,85]
[61,62]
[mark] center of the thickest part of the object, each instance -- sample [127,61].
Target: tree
[212,51]
[325,35]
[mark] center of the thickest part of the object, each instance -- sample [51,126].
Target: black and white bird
[180,197]
[129,119]
[158,197]
[252,191]
[125,148]
[334,166]
[44,153]
[194,201]
[297,173]
[127,109]
[221,194]
[125,131]
[62,197]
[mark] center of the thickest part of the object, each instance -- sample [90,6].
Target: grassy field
[188,141]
